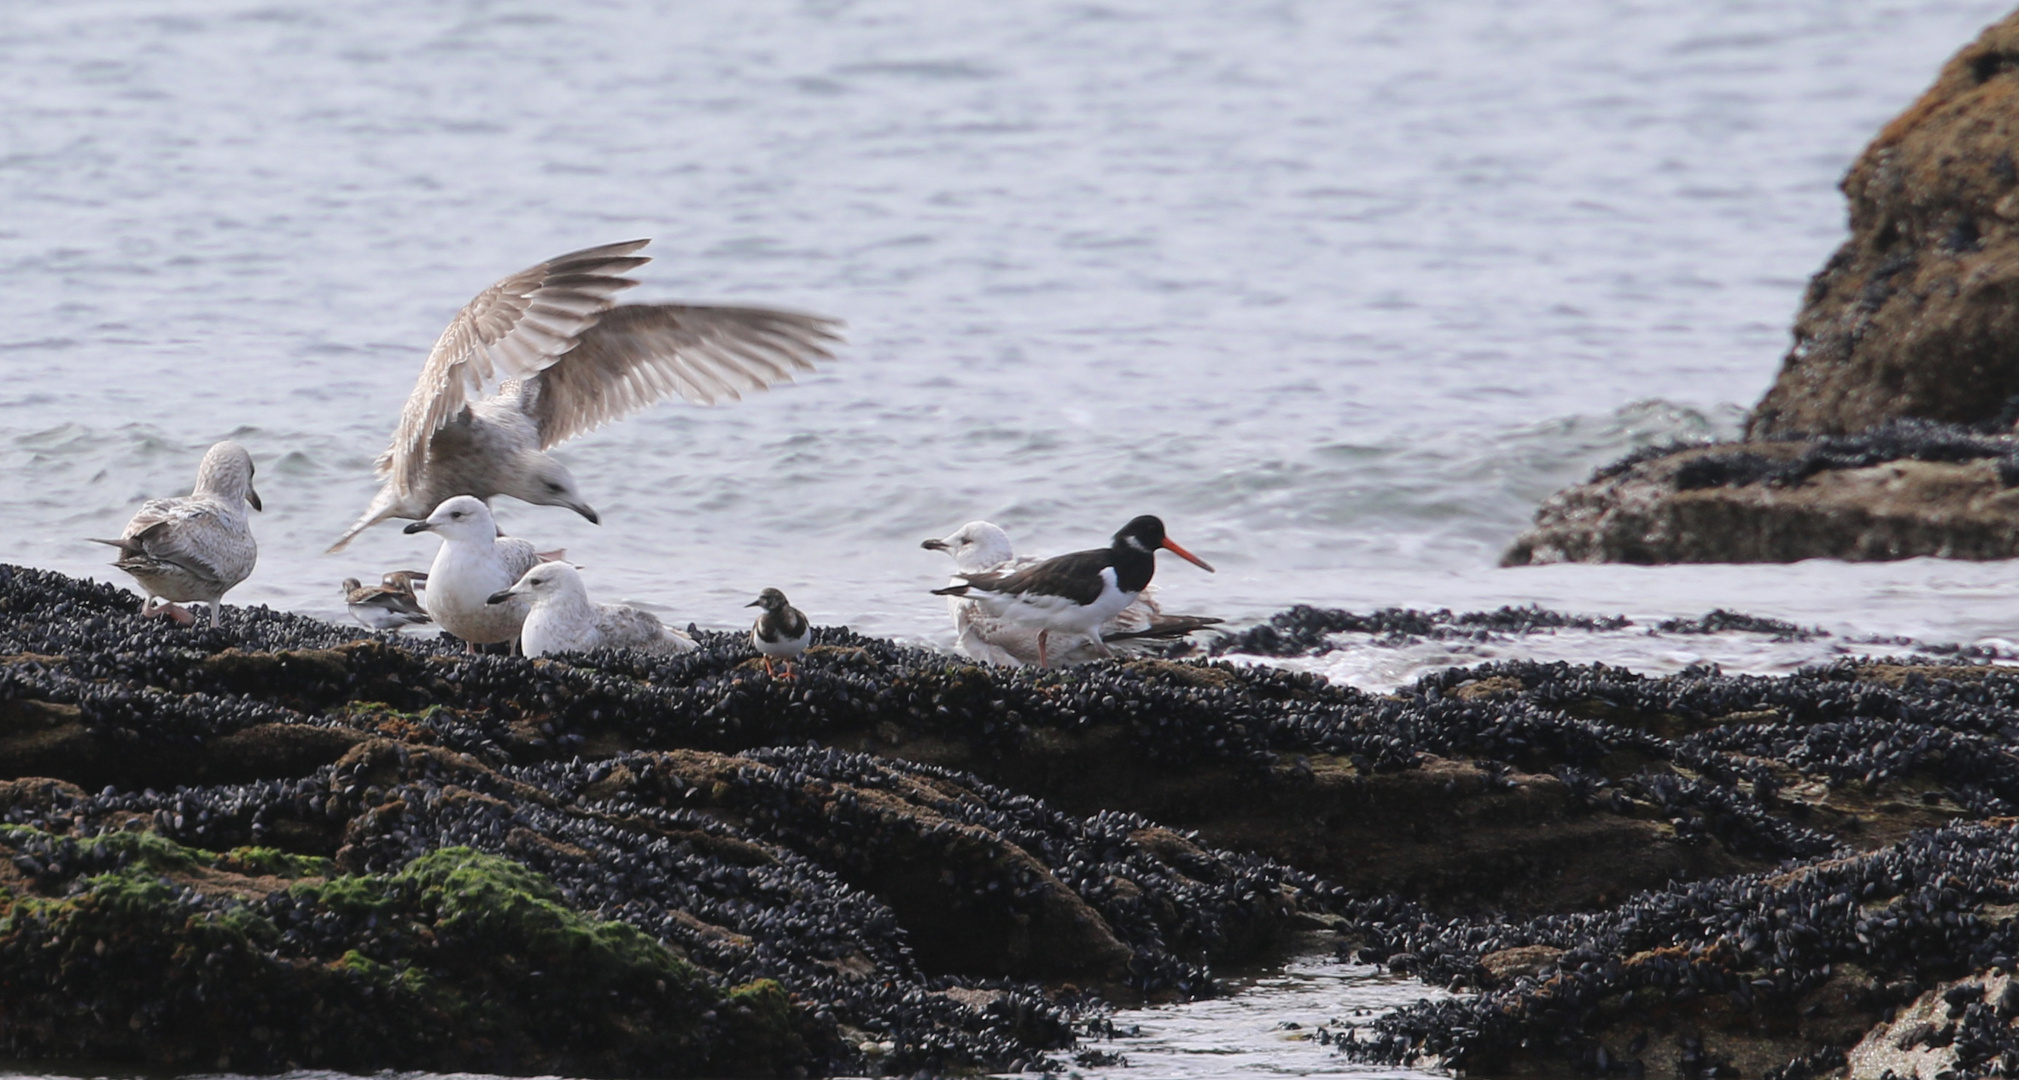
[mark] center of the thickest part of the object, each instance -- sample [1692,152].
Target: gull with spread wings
[546,355]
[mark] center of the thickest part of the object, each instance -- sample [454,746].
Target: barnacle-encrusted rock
[458,959]
[1771,502]
[899,850]
[1913,321]
[1917,314]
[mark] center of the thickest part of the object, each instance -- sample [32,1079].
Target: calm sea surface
[1338,289]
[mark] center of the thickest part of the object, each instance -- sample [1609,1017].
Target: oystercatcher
[982,546]
[1075,593]
[781,629]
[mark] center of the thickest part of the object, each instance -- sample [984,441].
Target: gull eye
[552,486]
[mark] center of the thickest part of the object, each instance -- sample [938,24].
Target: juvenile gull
[391,604]
[196,547]
[474,563]
[983,547]
[781,630]
[1077,593]
[563,618]
[545,355]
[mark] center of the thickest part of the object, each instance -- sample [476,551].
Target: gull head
[537,478]
[769,600]
[464,517]
[226,473]
[975,546]
[543,582]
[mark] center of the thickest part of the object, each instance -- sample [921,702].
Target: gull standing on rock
[544,356]
[391,604]
[473,564]
[1076,593]
[982,547]
[196,547]
[781,630]
[561,617]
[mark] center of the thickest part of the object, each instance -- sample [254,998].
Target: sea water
[1338,288]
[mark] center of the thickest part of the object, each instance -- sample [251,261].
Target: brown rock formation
[1895,510]
[1918,313]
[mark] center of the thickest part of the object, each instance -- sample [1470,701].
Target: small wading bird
[474,564]
[391,604]
[561,617]
[544,356]
[983,547]
[781,630]
[196,547]
[1076,593]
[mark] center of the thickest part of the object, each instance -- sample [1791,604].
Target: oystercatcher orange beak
[1188,556]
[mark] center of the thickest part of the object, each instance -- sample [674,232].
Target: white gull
[544,356]
[473,563]
[196,547]
[563,618]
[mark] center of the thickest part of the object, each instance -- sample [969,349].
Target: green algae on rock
[460,960]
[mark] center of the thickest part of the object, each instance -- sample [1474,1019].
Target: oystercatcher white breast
[983,547]
[1076,593]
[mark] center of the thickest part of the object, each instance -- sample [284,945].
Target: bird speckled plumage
[545,355]
[391,604]
[562,619]
[199,546]
[983,547]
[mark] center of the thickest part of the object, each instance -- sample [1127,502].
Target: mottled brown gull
[546,355]
[562,618]
[391,604]
[198,546]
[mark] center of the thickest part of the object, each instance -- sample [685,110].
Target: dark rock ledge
[278,844]
[1907,489]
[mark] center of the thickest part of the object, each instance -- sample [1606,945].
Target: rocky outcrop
[895,859]
[1754,502]
[1917,314]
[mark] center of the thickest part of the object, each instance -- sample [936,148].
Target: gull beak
[1188,556]
[587,512]
[933,545]
[755,603]
[501,596]
[252,497]
[417,527]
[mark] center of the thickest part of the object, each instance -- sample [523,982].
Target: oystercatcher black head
[1146,534]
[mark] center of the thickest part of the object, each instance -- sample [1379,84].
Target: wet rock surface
[1914,315]
[1904,490]
[896,860]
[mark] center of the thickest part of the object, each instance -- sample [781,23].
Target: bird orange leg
[1043,636]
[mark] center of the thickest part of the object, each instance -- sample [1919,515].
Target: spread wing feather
[638,354]
[513,330]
